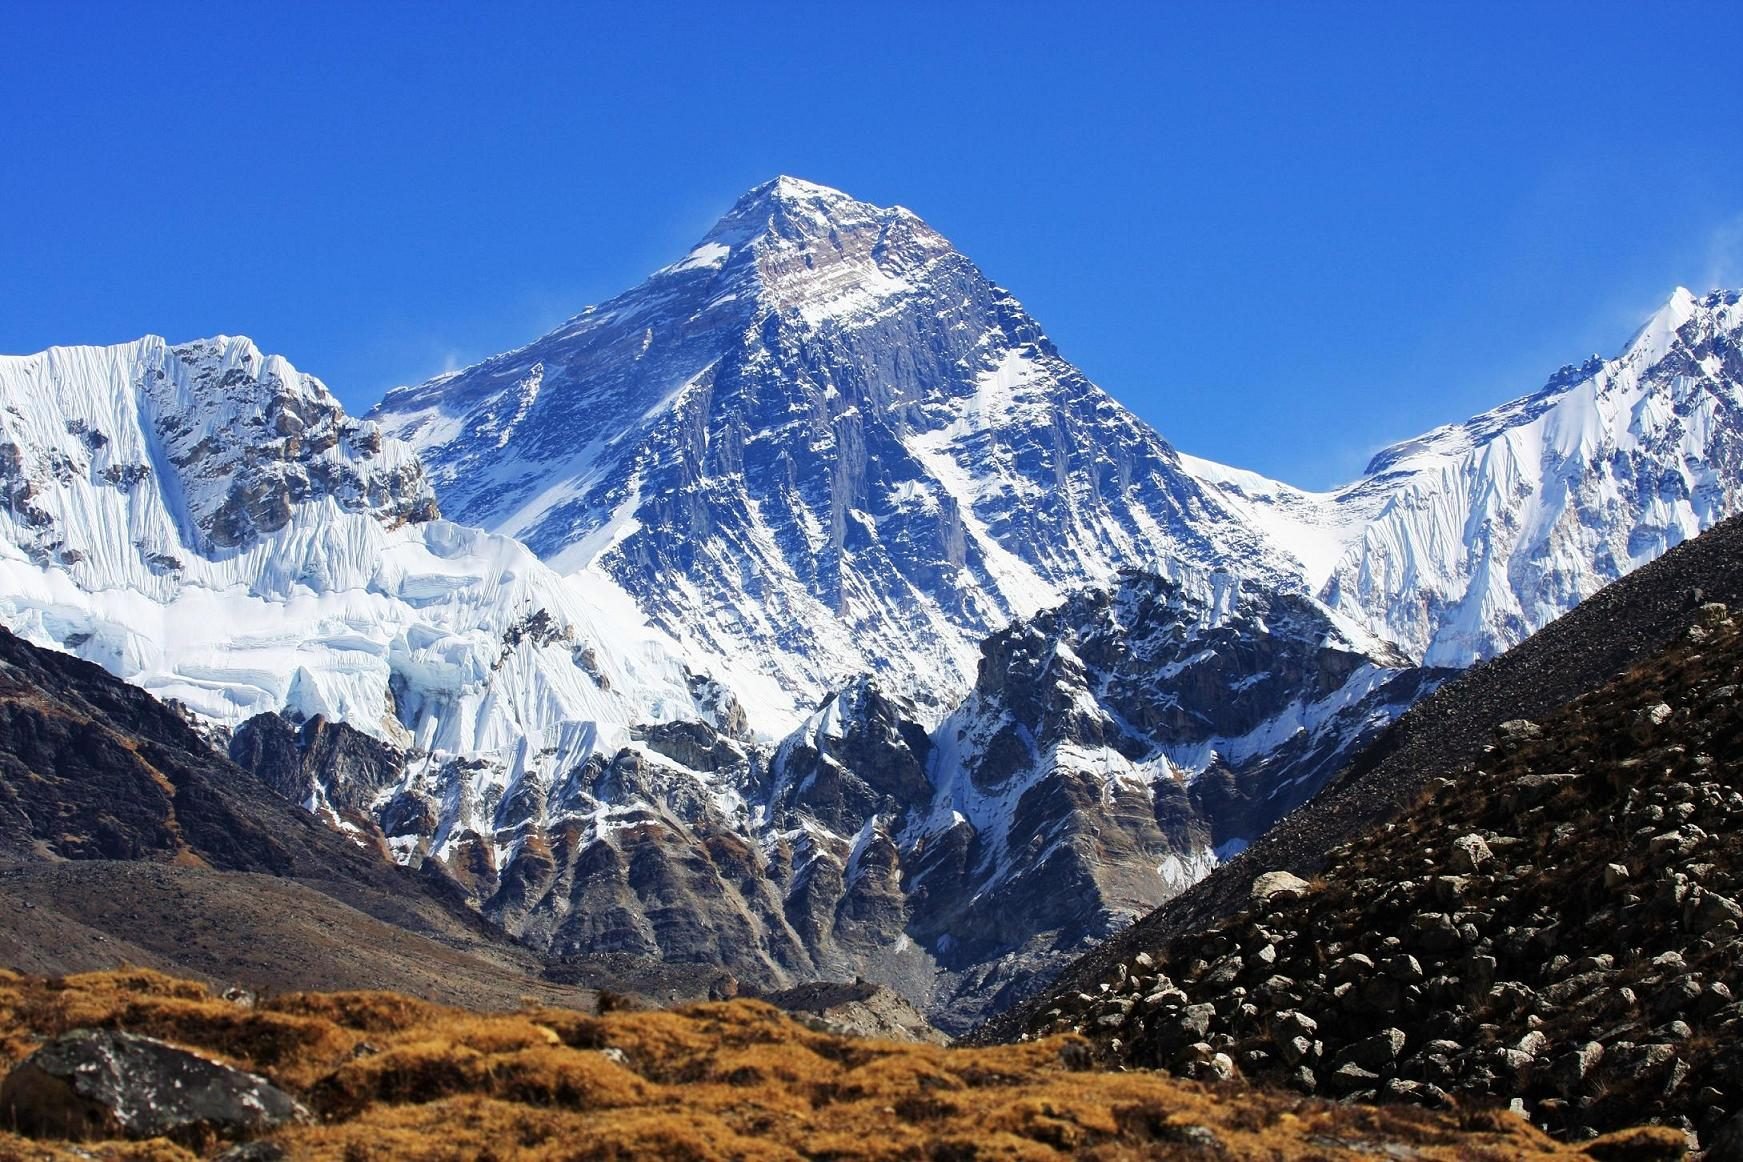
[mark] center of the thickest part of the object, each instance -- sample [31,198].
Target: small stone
[1435,932]
[1404,968]
[1350,1076]
[1197,1018]
[1353,967]
[1377,1051]
[1670,843]
[253,1152]
[1710,910]
[1225,970]
[1469,854]
[1218,1067]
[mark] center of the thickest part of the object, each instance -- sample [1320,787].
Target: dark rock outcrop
[317,763]
[101,1083]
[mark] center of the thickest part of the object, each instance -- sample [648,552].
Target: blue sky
[1285,234]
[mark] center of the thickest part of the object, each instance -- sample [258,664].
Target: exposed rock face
[1110,745]
[319,764]
[100,1083]
[251,438]
[230,441]
[1558,928]
[857,1009]
[865,756]
[92,768]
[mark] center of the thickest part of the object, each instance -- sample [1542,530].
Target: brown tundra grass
[396,1078]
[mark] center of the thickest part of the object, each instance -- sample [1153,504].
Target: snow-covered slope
[1460,543]
[821,444]
[207,523]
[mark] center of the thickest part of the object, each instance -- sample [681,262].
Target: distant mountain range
[802,611]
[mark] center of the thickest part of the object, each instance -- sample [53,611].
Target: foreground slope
[394,1078]
[1622,626]
[1557,924]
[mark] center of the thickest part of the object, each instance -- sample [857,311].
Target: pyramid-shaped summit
[820,443]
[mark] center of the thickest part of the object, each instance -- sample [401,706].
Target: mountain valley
[821,619]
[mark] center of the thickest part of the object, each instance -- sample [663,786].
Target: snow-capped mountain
[830,622]
[1461,543]
[821,444]
[209,524]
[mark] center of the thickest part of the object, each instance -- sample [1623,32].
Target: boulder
[100,1083]
[1376,1052]
[1469,854]
[1278,887]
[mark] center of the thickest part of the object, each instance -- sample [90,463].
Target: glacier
[207,523]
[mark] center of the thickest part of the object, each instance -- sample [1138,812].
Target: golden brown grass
[396,1078]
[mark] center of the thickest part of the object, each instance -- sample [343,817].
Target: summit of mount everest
[802,610]
[822,443]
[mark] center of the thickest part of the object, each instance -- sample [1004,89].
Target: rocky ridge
[1462,542]
[1555,928]
[206,522]
[953,864]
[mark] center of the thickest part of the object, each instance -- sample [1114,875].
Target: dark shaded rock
[318,761]
[98,1083]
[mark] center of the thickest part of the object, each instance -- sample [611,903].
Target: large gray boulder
[99,1083]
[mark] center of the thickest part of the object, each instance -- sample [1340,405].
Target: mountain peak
[786,188]
[794,209]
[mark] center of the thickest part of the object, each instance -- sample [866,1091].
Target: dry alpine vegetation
[384,1076]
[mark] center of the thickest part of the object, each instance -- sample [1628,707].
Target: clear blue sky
[1283,233]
